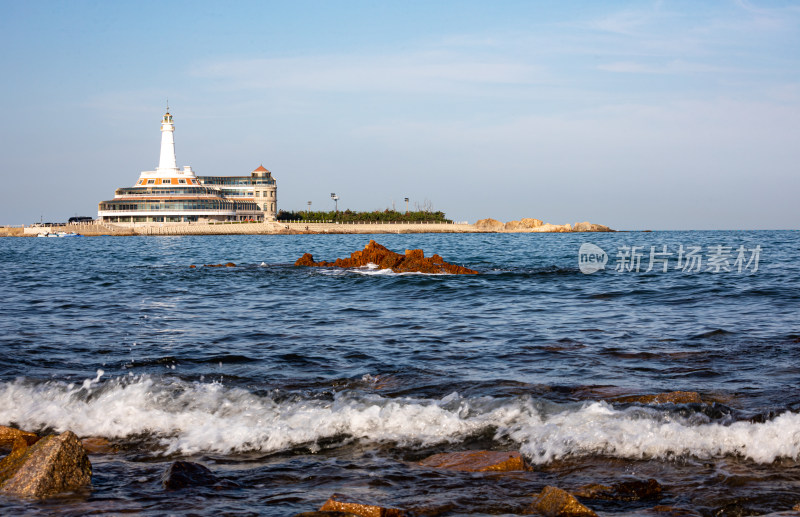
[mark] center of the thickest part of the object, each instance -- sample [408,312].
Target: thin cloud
[434,72]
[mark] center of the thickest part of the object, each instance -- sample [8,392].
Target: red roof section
[261,169]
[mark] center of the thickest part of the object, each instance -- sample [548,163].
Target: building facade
[170,194]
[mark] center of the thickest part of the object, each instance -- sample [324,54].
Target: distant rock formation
[413,261]
[527,225]
[54,464]
[489,224]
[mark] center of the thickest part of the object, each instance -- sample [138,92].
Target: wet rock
[98,445]
[341,503]
[325,514]
[229,264]
[555,502]
[374,253]
[184,474]
[633,490]
[477,461]
[8,435]
[673,397]
[489,224]
[54,464]
[671,511]
[192,266]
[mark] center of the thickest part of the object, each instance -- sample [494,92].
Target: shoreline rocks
[52,465]
[413,261]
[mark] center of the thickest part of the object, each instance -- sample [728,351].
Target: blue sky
[659,115]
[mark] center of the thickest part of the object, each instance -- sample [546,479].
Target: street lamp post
[335,200]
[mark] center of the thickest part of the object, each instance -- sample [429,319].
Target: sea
[292,383]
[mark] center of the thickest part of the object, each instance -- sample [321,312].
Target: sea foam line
[190,418]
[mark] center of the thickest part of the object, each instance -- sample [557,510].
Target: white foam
[209,417]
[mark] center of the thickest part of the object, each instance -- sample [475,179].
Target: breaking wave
[193,417]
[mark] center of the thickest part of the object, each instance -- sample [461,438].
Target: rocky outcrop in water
[52,465]
[341,503]
[555,502]
[477,461]
[413,261]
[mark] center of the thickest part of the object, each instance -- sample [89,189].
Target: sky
[637,115]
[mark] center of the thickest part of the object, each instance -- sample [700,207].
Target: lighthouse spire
[167,161]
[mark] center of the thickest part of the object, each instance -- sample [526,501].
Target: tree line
[348,216]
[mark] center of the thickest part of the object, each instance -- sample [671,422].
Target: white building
[170,194]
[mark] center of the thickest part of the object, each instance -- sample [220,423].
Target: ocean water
[297,383]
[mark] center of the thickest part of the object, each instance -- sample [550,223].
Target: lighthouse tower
[167,171]
[167,163]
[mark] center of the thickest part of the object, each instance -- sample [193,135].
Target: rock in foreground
[554,502]
[8,435]
[413,261]
[54,464]
[477,461]
[340,503]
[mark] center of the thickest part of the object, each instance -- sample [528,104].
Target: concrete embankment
[276,228]
[127,229]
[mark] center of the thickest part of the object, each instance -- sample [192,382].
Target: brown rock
[373,253]
[98,445]
[554,502]
[229,264]
[633,490]
[325,514]
[192,266]
[8,435]
[477,461]
[673,397]
[306,260]
[490,225]
[341,503]
[54,464]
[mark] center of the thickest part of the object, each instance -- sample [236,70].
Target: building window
[182,182]
[151,182]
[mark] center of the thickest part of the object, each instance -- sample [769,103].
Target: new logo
[591,258]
